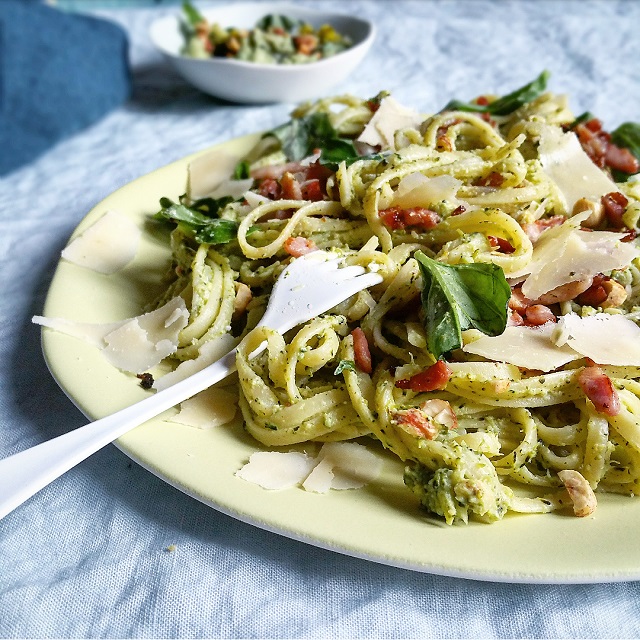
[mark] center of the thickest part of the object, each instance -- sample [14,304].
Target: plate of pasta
[475,414]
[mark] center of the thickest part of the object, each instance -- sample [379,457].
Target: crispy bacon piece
[596,294]
[580,491]
[312,190]
[361,350]
[397,218]
[270,188]
[605,292]
[242,299]
[291,189]
[615,204]
[297,246]
[515,319]
[418,423]
[276,171]
[503,245]
[434,378]
[518,301]
[621,159]
[564,292]
[527,312]
[306,43]
[535,229]
[494,179]
[598,146]
[597,386]
[538,314]
[293,181]
[426,420]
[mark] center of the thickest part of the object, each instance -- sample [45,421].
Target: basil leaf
[336,150]
[205,229]
[218,231]
[344,365]
[300,137]
[181,213]
[507,104]
[459,297]
[211,207]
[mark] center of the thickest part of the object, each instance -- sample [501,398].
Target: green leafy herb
[193,16]
[241,172]
[507,104]
[345,365]
[275,21]
[301,137]
[459,297]
[202,226]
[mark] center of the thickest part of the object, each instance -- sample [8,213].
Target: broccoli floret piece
[469,485]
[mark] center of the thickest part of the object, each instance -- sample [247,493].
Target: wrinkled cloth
[59,74]
[111,551]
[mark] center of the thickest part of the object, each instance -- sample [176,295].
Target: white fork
[309,286]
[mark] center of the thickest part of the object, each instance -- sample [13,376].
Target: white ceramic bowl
[249,82]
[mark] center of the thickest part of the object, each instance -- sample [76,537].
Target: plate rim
[449,569]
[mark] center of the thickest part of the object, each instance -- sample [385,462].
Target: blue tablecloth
[88,556]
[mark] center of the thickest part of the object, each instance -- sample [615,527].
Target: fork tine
[354,285]
[346,273]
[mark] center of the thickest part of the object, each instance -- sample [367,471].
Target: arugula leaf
[205,229]
[459,297]
[507,104]
[344,365]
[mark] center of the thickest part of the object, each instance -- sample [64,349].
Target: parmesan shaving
[207,172]
[210,408]
[233,188]
[528,347]
[605,338]
[91,333]
[208,353]
[390,117]
[275,470]
[574,173]
[417,190]
[107,246]
[133,345]
[568,254]
[351,466]
[339,465]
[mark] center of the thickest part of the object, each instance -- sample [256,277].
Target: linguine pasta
[535,417]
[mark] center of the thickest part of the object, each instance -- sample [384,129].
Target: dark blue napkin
[59,73]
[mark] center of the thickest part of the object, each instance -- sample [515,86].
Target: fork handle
[25,473]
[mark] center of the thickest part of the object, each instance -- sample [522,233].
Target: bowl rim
[266,8]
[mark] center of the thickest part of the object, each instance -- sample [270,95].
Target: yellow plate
[381,522]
